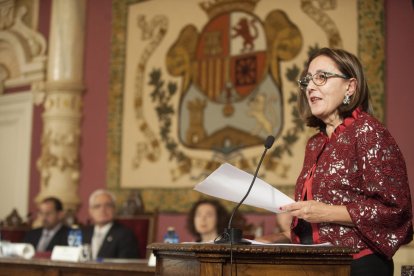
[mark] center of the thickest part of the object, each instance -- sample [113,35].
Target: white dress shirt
[99,234]
[47,236]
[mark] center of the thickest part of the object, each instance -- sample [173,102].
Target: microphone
[234,235]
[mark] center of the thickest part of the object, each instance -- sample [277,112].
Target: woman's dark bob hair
[221,214]
[349,65]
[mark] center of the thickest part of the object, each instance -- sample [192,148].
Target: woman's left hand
[312,211]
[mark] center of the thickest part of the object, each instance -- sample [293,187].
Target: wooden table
[44,267]
[286,260]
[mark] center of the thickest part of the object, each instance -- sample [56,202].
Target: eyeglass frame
[327,75]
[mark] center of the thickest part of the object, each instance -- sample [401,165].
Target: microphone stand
[234,235]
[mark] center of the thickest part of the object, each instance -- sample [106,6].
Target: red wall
[44,23]
[399,78]
[400,97]
[94,124]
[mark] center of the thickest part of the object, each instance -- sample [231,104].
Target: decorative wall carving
[22,48]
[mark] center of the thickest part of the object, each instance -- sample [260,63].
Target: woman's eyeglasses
[319,79]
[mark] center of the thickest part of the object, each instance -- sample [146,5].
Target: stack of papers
[231,183]
[24,250]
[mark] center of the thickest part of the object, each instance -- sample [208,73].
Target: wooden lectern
[214,259]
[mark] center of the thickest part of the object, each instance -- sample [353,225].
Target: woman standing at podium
[353,188]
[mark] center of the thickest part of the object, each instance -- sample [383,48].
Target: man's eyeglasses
[108,205]
[319,79]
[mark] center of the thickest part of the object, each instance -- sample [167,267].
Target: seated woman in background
[207,219]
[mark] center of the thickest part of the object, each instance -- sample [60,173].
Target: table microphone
[234,235]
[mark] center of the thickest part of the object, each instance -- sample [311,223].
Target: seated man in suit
[107,238]
[52,232]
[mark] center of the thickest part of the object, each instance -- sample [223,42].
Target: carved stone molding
[22,48]
[53,86]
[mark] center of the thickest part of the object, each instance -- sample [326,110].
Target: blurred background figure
[281,233]
[53,231]
[108,239]
[207,219]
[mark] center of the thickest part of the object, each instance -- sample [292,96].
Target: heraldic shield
[230,101]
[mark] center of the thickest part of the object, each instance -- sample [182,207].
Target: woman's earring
[346,100]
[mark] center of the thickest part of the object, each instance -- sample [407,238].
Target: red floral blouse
[360,167]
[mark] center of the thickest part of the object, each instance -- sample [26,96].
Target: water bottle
[75,236]
[171,236]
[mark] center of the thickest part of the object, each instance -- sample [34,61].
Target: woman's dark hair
[349,65]
[221,214]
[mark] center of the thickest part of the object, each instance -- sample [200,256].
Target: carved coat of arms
[231,91]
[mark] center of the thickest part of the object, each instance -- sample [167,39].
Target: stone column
[59,161]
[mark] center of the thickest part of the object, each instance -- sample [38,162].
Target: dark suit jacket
[120,242]
[60,238]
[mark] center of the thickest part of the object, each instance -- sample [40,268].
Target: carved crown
[215,7]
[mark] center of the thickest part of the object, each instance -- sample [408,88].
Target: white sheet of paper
[66,253]
[231,183]
[25,250]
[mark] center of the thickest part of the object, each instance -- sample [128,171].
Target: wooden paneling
[286,260]
[41,267]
